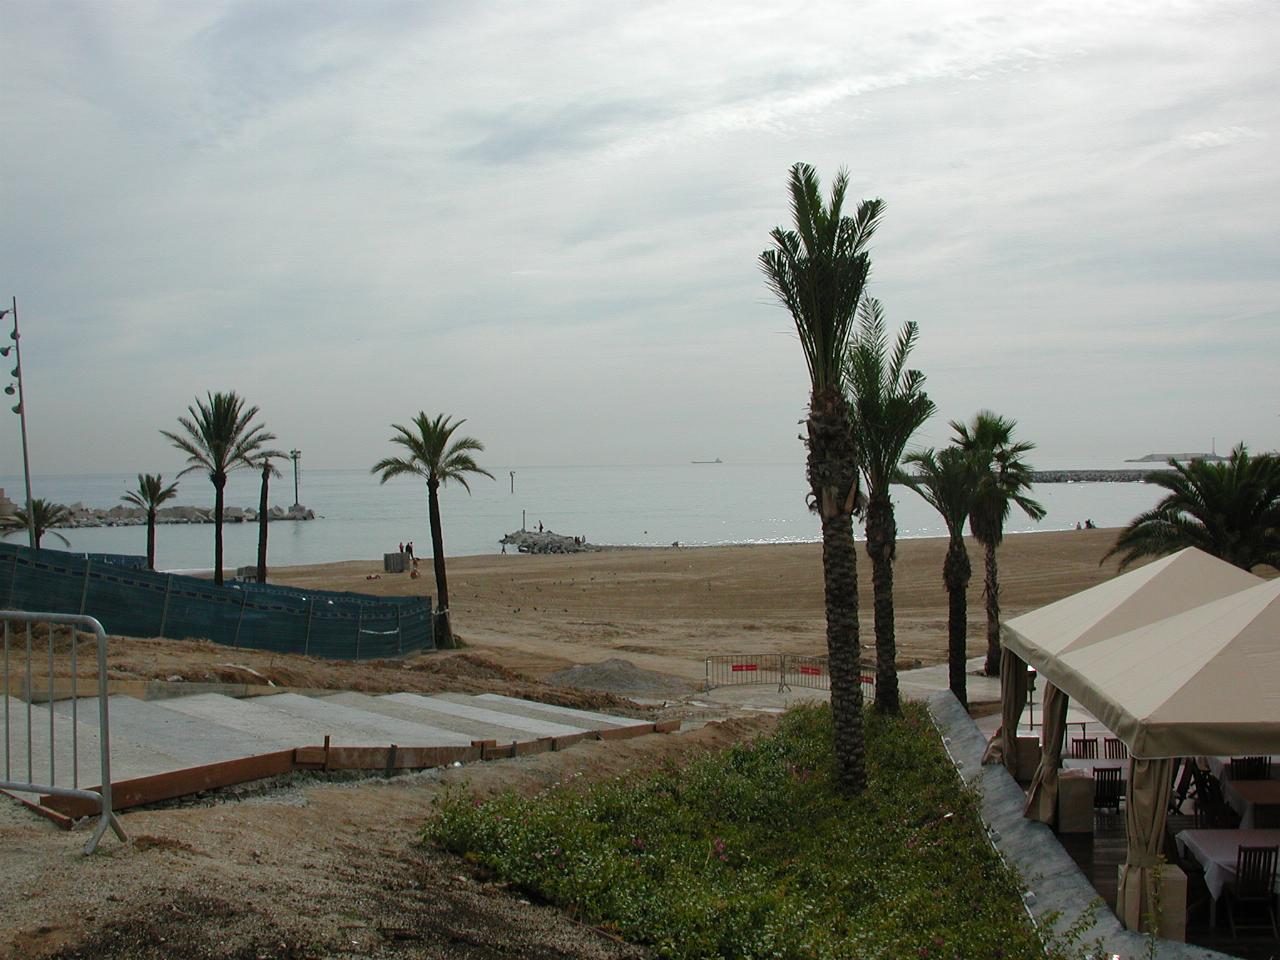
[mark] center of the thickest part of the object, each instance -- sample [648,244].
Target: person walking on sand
[401,550]
[408,548]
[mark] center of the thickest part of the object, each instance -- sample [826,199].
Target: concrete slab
[349,726]
[402,706]
[531,708]
[452,712]
[254,714]
[193,741]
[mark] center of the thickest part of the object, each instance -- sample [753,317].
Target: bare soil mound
[619,676]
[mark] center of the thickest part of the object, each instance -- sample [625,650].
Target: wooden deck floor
[1100,855]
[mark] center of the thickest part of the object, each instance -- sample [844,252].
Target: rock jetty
[530,541]
[122,516]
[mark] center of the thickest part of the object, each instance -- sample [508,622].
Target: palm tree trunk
[956,573]
[882,534]
[992,593]
[151,538]
[833,478]
[443,629]
[262,525]
[218,484]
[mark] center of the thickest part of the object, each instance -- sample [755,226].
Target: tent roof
[1203,682]
[1157,590]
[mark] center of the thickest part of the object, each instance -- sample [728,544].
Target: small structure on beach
[532,541]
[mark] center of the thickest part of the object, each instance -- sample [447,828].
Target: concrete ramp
[162,749]
[461,711]
[534,709]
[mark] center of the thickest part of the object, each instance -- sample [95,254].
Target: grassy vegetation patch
[750,852]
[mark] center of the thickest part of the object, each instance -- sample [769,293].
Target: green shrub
[750,852]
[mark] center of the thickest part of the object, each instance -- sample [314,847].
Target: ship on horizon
[716,460]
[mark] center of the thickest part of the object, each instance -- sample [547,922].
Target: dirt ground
[314,869]
[305,871]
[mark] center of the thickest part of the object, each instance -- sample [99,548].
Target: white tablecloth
[1091,764]
[1245,796]
[1216,851]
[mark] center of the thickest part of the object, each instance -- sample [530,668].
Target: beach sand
[667,609]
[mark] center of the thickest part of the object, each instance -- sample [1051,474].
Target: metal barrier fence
[24,709]
[784,669]
[140,603]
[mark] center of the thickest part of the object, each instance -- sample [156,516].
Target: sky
[545,218]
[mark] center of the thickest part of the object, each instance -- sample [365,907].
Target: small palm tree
[818,270]
[1230,510]
[268,471]
[437,457]
[44,515]
[149,495]
[888,406]
[946,481]
[1003,481]
[219,437]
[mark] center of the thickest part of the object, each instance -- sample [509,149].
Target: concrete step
[534,709]
[454,712]
[350,726]
[405,710]
[194,741]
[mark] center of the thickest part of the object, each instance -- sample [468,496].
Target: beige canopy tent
[1152,592]
[1203,682]
[1193,675]
[1156,590]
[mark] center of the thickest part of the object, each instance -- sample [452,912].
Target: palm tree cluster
[1230,510]
[865,404]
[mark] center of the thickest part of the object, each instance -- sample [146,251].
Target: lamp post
[21,410]
[295,456]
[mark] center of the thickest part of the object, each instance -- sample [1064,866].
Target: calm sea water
[695,504]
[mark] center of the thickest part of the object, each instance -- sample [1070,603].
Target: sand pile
[620,676]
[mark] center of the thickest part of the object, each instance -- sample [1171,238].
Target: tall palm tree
[1003,481]
[220,436]
[151,492]
[268,471]
[1230,510]
[45,514]
[818,270]
[888,406]
[434,455]
[946,481]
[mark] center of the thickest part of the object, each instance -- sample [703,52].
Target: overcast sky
[545,218]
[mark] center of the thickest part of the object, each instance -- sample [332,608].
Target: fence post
[359,625]
[306,643]
[399,635]
[244,596]
[164,612]
[84,591]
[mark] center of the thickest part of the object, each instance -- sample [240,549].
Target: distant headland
[1180,457]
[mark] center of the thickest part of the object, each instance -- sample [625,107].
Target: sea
[692,504]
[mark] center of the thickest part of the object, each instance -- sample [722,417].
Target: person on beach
[408,548]
[401,550]
[539,526]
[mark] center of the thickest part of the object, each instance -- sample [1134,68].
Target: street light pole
[295,456]
[21,410]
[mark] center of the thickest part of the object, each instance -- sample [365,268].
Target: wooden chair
[1254,884]
[1084,748]
[1114,749]
[1108,788]
[1184,784]
[1250,768]
[1212,811]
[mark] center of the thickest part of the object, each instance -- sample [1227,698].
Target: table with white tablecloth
[1246,796]
[1217,851]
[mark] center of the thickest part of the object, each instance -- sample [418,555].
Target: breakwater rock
[122,516]
[1089,476]
[530,541]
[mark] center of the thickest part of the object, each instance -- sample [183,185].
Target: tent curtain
[1147,808]
[1003,747]
[1042,798]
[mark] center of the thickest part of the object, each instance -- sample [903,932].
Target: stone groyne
[122,516]
[1089,476]
[532,541]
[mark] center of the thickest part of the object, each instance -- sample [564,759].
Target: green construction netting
[141,603]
